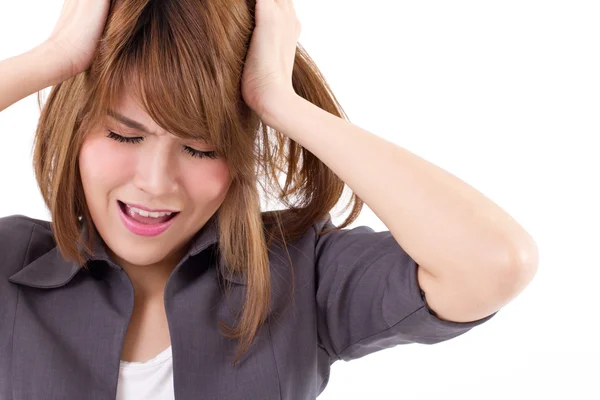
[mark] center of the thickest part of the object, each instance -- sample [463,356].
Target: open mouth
[143,223]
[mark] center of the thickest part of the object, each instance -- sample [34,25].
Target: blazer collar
[52,271]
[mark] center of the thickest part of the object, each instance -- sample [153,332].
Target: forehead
[129,106]
[129,112]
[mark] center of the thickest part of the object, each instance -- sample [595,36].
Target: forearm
[443,223]
[26,74]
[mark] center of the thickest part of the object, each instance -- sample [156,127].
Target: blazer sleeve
[368,296]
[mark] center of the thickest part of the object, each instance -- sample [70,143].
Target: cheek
[207,183]
[103,165]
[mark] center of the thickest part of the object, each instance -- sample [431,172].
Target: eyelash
[187,149]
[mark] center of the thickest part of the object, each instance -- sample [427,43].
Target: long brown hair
[183,59]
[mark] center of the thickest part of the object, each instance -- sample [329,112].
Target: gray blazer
[62,328]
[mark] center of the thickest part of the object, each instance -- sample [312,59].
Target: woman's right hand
[75,37]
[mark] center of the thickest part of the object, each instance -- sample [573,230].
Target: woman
[159,276]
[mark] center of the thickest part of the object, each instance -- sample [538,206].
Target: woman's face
[152,170]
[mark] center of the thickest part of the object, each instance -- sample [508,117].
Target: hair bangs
[173,63]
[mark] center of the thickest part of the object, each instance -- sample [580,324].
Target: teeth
[148,214]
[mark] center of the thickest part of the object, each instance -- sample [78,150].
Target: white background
[506,96]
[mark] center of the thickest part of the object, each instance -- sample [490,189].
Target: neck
[149,281]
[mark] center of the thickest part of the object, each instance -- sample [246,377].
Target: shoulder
[322,236]
[14,228]
[21,221]
[22,238]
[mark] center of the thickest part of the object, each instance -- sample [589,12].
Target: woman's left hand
[270,59]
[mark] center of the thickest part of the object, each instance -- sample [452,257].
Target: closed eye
[189,150]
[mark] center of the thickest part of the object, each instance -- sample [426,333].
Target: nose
[156,170]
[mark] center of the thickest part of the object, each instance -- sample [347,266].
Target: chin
[142,260]
[143,257]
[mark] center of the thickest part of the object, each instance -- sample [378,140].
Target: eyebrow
[129,122]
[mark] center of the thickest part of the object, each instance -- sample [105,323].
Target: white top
[149,380]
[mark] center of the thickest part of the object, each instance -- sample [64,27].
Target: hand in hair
[270,58]
[75,37]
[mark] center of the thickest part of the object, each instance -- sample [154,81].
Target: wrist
[55,66]
[275,105]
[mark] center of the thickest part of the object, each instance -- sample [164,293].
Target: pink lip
[143,229]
